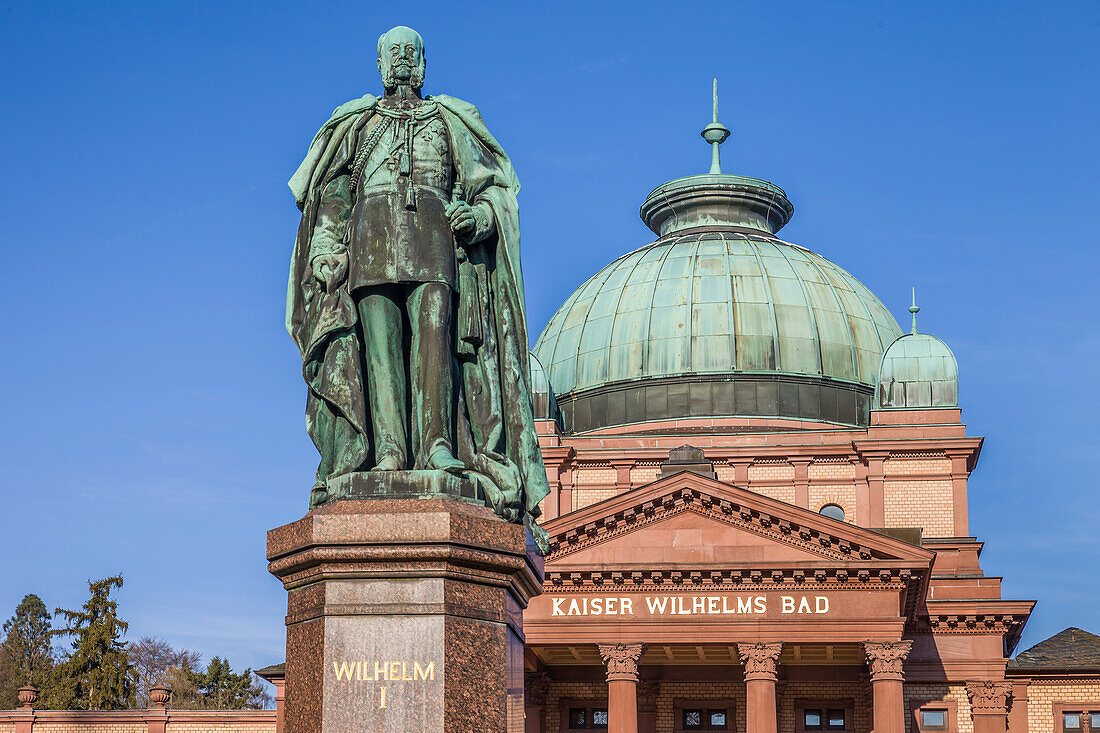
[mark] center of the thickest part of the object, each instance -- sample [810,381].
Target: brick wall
[771,472]
[794,692]
[584,497]
[670,692]
[918,503]
[576,690]
[644,474]
[831,471]
[134,721]
[782,493]
[917,466]
[920,693]
[80,726]
[1041,698]
[843,495]
[594,476]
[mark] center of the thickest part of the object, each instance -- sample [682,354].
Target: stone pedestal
[404,615]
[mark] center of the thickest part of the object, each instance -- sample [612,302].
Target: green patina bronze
[406,298]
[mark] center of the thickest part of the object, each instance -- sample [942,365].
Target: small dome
[918,371]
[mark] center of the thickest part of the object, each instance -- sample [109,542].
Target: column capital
[761,660]
[621,660]
[885,658]
[988,697]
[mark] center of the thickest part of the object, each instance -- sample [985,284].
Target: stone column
[536,686]
[404,615]
[761,671]
[622,683]
[989,705]
[885,660]
[647,706]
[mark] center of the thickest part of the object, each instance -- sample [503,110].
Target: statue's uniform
[388,208]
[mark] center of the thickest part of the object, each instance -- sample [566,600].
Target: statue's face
[401,58]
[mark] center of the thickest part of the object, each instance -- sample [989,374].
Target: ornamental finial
[914,310]
[715,133]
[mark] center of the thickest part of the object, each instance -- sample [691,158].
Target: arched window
[833,511]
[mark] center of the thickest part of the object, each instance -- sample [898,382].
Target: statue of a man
[405,293]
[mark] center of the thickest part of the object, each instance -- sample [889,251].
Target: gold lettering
[393,671]
[358,672]
[405,671]
[424,673]
[366,676]
[380,670]
[343,671]
[382,702]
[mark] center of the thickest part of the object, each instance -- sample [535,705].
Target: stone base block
[404,615]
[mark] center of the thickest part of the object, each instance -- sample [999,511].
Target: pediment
[689,522]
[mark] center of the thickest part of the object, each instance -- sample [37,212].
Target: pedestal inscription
[404,615]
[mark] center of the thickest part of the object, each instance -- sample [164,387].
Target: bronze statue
[405,294]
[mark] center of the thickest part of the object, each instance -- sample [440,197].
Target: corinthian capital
[761,660]
[989,698]
[621,660]
[885,658]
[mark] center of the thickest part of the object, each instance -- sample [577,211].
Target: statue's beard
[390,82]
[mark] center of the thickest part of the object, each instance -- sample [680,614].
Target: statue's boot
[443,460]
[389,463]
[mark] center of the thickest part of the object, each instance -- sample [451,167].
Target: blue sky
[153,422]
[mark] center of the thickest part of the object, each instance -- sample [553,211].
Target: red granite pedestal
[404,615]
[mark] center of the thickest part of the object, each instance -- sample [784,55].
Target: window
[1071,722]
[587,718]
[933,719]
[1076,717]
[824,716]
[693,715]
[824,719]
[703,719]
[833,511]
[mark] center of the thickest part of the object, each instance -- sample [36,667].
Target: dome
[717,317]
[918,371]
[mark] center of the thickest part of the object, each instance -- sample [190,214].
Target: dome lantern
[918,371]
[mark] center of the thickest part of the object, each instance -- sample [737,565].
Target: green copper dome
[918,371]
[717,317]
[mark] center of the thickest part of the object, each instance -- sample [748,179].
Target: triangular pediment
[692,523]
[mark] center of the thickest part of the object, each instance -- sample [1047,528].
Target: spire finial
[914,310]
[715,133]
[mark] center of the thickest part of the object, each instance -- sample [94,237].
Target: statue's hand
[330,269]
[462,219]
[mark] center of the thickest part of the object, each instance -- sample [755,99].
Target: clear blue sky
[153,412]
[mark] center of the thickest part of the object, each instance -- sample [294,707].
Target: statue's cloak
[505,455]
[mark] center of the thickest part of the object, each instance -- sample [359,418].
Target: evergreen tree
[98,674]
[26,655]
[220,689]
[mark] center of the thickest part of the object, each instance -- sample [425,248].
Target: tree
[98,674]
[158,663]
[26,655]
[220,689]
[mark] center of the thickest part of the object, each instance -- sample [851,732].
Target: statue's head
[401,58]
